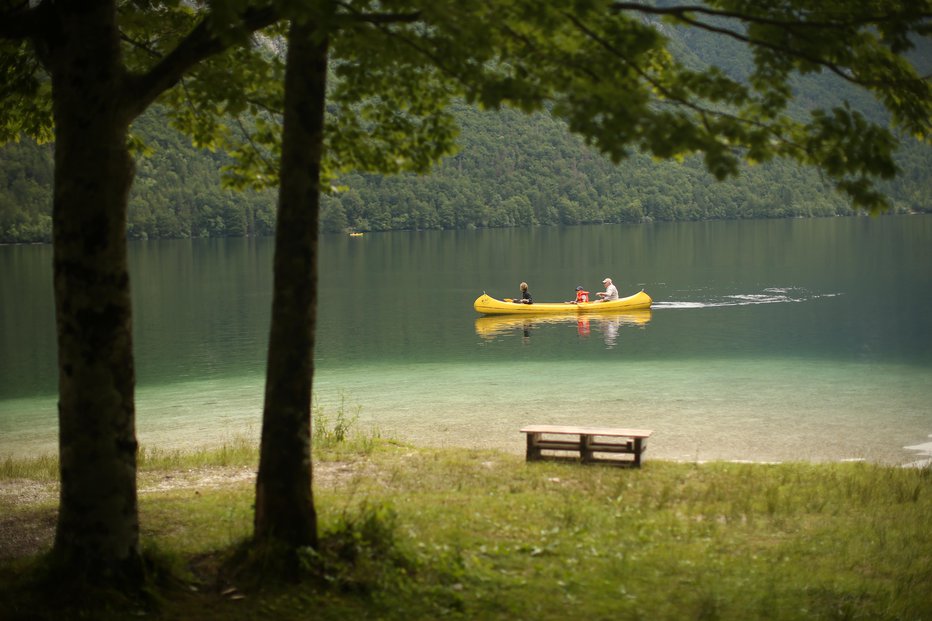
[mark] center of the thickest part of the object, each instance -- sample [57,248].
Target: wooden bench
[587,441]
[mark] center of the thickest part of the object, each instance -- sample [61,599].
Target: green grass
[41,468]
[413,533]
[334,435]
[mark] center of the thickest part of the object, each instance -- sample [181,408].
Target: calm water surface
[769,340]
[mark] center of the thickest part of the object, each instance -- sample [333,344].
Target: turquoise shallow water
[768,341]
[700,410]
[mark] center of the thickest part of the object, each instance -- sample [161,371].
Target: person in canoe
[525,295]
[581,296]
[610,293]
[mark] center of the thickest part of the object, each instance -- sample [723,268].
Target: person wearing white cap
[610,293]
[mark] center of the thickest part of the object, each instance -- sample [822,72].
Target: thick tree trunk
[98,528]
[284,501]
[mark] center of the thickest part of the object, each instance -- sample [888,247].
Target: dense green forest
[511,170]
[177,192]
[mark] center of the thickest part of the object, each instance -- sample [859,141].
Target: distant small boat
[487,305]
[354,234]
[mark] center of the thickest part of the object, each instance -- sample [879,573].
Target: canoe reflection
[492,326]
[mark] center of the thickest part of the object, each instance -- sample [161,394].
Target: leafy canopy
[604,67]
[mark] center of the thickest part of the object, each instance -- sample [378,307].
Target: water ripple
[772,295]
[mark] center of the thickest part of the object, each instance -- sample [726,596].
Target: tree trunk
[98,527]
[284,500]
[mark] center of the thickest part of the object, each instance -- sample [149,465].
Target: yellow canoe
[487,305]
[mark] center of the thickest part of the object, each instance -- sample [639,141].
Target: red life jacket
[582,296]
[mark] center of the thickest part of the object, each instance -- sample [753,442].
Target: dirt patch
[212,477]
[21,492]
[29,509]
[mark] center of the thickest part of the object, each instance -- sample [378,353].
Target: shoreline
[921,457]
[756,418]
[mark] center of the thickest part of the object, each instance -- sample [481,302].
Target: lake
[768,340]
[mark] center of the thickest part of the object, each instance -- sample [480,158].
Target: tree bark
[284,499]
[98,526]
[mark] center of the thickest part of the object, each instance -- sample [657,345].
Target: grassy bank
[412,533]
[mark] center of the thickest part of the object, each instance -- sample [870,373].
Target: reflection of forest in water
[494,327]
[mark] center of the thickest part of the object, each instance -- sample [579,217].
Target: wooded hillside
[511,170]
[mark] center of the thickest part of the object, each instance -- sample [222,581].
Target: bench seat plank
[590,431]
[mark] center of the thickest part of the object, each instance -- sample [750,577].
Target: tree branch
[680,11]
[561,59]
[634,66]
[389,18]
[139,45]
[437,61]
[381,18]
[777,48]
[200,44]
[260,153]
[701,111]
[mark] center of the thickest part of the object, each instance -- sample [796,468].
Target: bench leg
[585,453]
[533,450]
[637,452]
